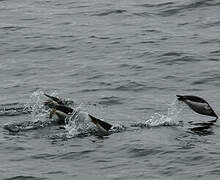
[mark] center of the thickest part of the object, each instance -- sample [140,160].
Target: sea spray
[170,119]
[36,106]
[79,123]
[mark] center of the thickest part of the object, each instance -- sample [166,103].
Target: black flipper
[59,101]
[64,109]
[101,123]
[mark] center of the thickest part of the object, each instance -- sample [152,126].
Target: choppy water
[122,61]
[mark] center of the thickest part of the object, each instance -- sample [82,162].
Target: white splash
[35,105]
[79,123]
[170,119]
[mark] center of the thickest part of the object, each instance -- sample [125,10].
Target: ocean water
[121,61]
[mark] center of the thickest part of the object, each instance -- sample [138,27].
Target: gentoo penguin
[58,107]
[198,104]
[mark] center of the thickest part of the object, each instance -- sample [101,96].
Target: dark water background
[123,61]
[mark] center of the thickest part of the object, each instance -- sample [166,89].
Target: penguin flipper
[57,100]
[106,126]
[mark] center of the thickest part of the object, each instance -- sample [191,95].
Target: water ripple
[156,5]
[75,155]
[131,86]
[113,100]
[178,60]
[109,12]
[176,9]
[210,24]
[139,152]
[12,28]
[214,79]
[13,109]
[25,178]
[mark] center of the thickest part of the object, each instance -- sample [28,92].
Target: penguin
[58,108]
[62,111]
[198,105]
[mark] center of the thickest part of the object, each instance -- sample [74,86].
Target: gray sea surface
[122,61]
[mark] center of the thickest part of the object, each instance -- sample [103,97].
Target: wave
[24,177]
[112,100]
[12,28]
[177,59]
[26,126]
[156,5]
[131,86]
[109,11]
[44,48]
[211,78]
[13,109]
[174,9]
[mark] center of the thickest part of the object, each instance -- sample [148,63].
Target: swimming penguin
[198,104]
[62,111]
